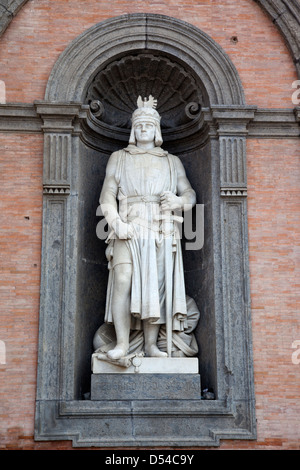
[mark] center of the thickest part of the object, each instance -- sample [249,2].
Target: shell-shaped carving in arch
[113,93]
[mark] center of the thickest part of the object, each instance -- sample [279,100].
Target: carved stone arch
[146,32]
[74,269]
[284,13]
[8,10]
[130,39]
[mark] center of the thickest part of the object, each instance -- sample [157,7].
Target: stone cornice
[275,123]
[40,117]
[19,117]
[59,117]
[230,120]
[255,122]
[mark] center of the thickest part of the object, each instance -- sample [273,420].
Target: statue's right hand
[123,231]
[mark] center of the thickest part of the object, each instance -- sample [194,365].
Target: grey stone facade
[77,144]
[212,147]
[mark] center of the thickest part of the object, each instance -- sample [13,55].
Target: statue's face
[144,132]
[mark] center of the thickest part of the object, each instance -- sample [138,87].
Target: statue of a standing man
[143,187]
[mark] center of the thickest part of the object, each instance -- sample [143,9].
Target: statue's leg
[121,310]
[150,335]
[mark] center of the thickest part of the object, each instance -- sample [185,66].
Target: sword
[168,228]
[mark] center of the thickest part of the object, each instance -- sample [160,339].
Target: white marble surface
[148,365]
[143,189]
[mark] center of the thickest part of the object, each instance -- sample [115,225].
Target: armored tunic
[142,176]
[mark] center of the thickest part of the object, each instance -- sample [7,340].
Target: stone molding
[122,416]
[285,14]
[274,123]
[59,117]
[264,123]
[16,117]
[86,55]
[58,123]
[8,10]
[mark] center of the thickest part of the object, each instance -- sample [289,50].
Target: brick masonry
[29,49]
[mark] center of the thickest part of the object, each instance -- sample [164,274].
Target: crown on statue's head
[150,103]
[146,110]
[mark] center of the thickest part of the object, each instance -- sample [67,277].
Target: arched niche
[75,68]
[89,98]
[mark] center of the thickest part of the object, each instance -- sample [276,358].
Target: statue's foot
[117,353]
[153,351]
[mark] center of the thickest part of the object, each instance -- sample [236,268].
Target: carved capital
[232,120]
[59,117]
[60,122]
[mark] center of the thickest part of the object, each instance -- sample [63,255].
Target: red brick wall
[20,248]
[43,28]
[274,244]
[28,51]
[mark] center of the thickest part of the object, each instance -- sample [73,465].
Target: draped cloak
[142,176]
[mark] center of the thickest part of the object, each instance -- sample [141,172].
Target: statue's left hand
[170,202]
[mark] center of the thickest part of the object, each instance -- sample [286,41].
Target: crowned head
[146,112]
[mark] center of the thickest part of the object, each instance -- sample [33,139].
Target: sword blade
[168,280]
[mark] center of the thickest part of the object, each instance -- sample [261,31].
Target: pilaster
[230,129]
[58,278]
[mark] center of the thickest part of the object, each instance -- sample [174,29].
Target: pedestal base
[145,386]
[147,378]
[147,365]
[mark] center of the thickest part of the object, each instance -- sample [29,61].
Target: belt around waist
[145,199]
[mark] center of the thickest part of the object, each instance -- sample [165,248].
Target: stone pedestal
[149,378]
[145,386]
[147,365]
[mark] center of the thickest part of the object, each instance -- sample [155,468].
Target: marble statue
[144,192]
